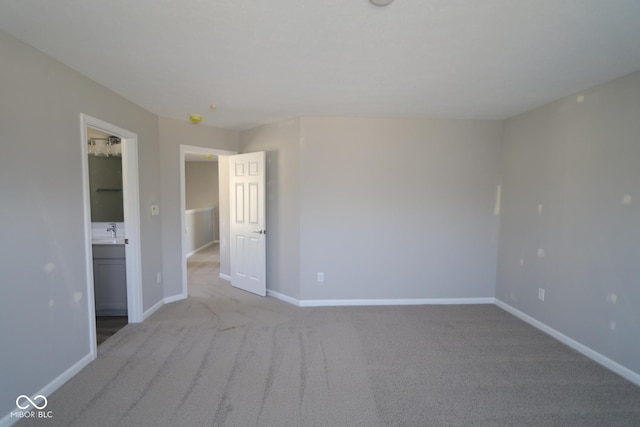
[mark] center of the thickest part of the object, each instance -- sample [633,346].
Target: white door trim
[183,206]
[131,203]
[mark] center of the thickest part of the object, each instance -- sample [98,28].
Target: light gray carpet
[224,357]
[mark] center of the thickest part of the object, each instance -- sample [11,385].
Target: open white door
[247,222]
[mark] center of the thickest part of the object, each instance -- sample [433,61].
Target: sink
[108,240]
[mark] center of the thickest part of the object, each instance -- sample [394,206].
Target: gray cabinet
[110,280]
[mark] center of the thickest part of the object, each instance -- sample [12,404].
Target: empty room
[320,213]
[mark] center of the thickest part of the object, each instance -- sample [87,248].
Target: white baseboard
[624,372]
[283,297]
[360,302]
[409,301]
[206,245]
[155,307]
[225,277]
[48,389]
[175,298]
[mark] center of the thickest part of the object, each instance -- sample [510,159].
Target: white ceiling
[199,157]
[262,61]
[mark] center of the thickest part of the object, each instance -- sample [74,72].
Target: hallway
[203,271]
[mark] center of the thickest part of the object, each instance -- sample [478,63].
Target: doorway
[190,152]
[126,240]
[108,228]
[202,217]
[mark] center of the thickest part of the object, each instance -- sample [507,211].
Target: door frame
[184,148]
[131,205]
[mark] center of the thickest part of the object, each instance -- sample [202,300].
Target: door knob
[261,231]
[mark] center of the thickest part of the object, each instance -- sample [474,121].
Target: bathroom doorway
[108,232]
[112,227]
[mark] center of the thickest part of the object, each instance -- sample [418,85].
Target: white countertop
[108,241]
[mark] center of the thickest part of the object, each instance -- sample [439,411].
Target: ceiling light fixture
[381,2]
[105,147]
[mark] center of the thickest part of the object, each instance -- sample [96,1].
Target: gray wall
[281,142]
[43,305]
[201,184]
[173,133]
[579,161]
[201,190]
[387,209]
[395,209]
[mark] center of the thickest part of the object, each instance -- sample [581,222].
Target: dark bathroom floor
[106,326]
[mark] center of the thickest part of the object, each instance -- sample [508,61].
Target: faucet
[113,229]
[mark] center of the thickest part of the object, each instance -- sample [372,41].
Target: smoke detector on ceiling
[381,2]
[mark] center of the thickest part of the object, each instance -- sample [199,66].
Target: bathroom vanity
[110,278]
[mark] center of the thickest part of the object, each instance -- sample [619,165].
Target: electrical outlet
[541,294]
[320,276]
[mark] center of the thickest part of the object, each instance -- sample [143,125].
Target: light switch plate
[541,294]
[155,210]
